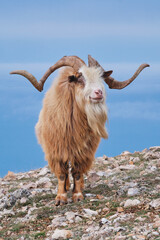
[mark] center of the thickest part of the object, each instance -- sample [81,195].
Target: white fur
[63,194]
[96,110]
[79,194]
[93,81]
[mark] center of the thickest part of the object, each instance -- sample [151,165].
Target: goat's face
[89,86]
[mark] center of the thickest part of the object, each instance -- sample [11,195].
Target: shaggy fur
[70,125]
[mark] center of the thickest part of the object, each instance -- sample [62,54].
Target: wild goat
[72,120]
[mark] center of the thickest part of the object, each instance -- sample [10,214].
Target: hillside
[122,201]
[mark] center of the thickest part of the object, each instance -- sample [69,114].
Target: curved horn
[71,61]
[114,84]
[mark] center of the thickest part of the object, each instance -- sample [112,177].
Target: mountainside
[122,201]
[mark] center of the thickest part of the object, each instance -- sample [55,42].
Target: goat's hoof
[61,199]
[77,197]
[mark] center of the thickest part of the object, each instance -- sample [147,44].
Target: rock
[92,228]
[132,192]
[151,155]
[10,199]
[64,234]
[70,216]
[44,182]
[90,212]
[78,219]
[105,157]
[125,153]
[118,229]
[93,177]
[21,193]
[153,168]
[10,175]
[131,184]
[90,195]
[122,191]
[23,200]
[101,174]
[103,221]
[131,203]
[43,171]
[155,149]
[30,185]
[155,233]
[58,222]
[120,209]
[127,167]
[136,159]
[155,203]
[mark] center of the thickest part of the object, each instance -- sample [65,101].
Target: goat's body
[63,130]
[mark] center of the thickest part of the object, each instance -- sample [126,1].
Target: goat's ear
[107,74]
[72,78]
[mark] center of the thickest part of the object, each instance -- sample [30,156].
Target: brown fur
[63,129]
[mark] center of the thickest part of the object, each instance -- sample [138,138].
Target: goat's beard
[97,116]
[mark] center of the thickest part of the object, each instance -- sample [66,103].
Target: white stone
[155,233]
[78,219]
[43,171]
[155,203]
[131,203]
[104,220]
[133,192]
[92,228]
[155,148]
[61,234]
[58,221]
[136,159]
[29,185]
[23,200]
[118,229]
[127,167]
[125,153]
[101,174]
[131,184]
[90,212]
[44,181]
[153,168]
[90,195]
[70,216]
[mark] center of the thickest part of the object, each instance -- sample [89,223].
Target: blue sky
[120,34]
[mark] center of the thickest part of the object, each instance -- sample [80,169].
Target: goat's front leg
[61,198]
[78,184]
[63,183]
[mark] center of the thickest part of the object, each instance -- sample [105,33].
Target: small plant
[17,227]
[39,235]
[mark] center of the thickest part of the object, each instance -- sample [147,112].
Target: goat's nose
[98,92]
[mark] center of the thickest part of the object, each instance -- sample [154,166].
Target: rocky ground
[122,201]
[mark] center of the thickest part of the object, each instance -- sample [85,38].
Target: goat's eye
[72,79]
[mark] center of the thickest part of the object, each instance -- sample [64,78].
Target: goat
[72,120]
